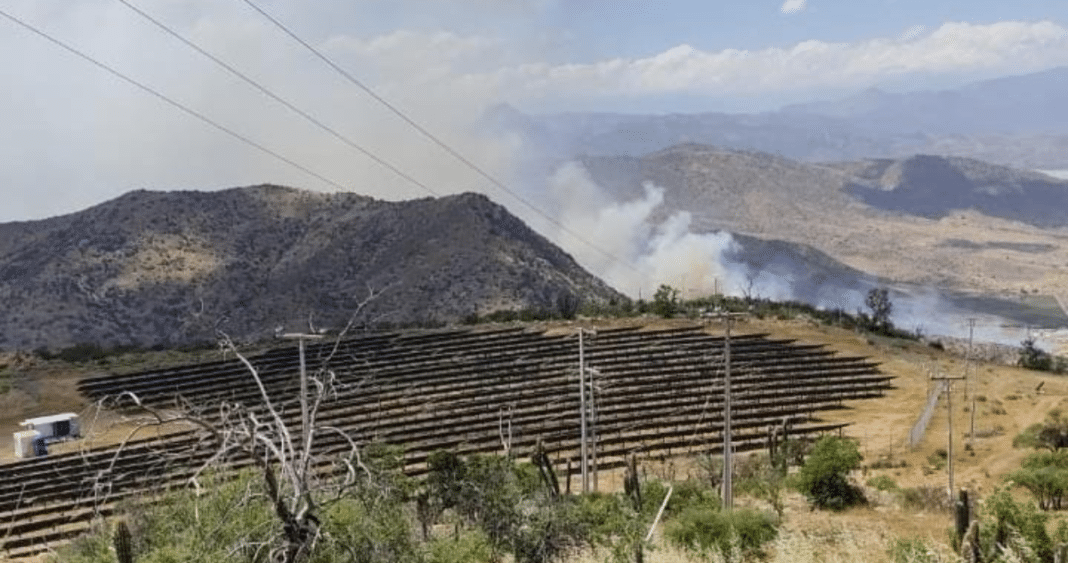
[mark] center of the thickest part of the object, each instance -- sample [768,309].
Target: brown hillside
[166,268]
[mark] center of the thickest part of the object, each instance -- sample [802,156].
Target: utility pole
[583,412]
[593,423]
[728,462]
[969,382]
[947,383]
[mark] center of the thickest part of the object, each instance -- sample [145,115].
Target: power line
[267,92]
[174,103]
[430,136]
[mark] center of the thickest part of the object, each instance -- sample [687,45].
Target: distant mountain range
[1019,121]
[169,268]
[1030,103]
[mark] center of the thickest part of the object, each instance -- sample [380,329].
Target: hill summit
[169,268]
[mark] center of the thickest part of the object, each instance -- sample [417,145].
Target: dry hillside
[168,268]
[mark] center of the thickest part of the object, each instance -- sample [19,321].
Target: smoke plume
[625,246]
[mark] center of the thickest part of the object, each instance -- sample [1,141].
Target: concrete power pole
[970,382]
[584,410]
[728,461]
[582,415]
[947,382]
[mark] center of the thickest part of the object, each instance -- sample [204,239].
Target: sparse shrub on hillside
[1045,476]
[707,531]
[878,302]
[1051,434]
[938,459]
[229,524]
[1033,357]
[824,477]
[916,550]
[511,506]
[882,483]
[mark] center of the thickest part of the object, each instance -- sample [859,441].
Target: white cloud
[952,48]
[792,6]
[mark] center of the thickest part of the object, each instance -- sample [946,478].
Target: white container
[54,426]
[24,443]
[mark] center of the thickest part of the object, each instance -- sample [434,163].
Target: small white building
[54,426]
[25,446]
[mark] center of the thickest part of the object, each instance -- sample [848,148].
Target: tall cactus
[123,543]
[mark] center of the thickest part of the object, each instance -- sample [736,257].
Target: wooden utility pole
[947,382]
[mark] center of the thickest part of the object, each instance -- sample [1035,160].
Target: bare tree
[297,482]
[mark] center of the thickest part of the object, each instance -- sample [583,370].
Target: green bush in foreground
[704,530]
[824,478]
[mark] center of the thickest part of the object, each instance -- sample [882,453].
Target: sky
[75,135]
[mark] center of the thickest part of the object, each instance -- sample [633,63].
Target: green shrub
[688,494]
[704,530]
[937,460]
[1008,528]
[912,550]
[824,478]
[1044,475]
[1051,433]
[666,301]
[882,483]
[469,547]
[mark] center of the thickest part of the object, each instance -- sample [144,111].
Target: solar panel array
[658,393]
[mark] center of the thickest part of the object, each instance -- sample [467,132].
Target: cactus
[123,543]
[969,547]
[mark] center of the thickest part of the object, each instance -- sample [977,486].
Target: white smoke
[635,249]
[623,243]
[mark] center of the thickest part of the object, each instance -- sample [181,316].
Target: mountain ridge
[169,268]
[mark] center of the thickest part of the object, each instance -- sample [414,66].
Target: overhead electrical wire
[170,101]
[267,92]
[305,115]
[430,136]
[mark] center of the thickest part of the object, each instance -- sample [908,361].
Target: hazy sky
[74,135]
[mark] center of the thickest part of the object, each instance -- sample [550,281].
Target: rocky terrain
[169,268]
